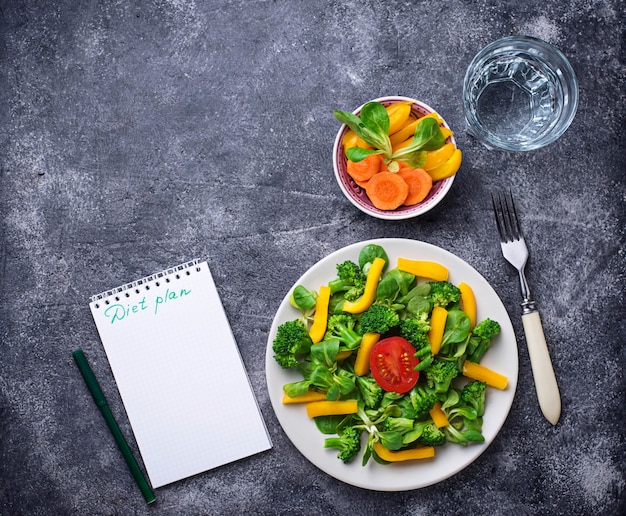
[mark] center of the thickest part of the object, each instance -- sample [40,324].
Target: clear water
[515,99]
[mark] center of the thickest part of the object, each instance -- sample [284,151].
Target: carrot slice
[364,169]
[387,191]
[419,182]
[362,184]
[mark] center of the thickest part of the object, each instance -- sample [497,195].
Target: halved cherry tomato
[392,362]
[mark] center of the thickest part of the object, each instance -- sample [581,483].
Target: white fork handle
[545,381]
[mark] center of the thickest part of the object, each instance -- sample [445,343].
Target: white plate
[449,459]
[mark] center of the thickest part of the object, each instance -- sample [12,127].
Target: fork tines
[506,217]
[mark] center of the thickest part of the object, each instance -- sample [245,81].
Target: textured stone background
[138,135]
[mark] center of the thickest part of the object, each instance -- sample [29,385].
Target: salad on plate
[384,358]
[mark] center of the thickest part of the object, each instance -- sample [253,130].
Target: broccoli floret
[480,339]
[378,319]
[371,392]
[342,327]
[398,424]
[415,330]
[292,338]
[440,374]
[422,400]
[443,293]
[348,443]
[432,436]
[474,395]
[350,273]
[350,281]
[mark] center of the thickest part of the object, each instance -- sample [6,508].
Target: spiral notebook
[179,373]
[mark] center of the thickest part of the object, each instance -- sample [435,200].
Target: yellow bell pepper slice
[331,408]
[438,416]
[434,115]
[342,355]
[320,319]
[362,361]
[307,397]
[424,269]
[483,374]
[468,302]
[401,145]
[406,132]
[371,284]
[446,132]
[438,319]
[438,157]
[351,139]
[422,452]
[398,114]
[449,168]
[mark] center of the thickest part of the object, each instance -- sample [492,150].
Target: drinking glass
[519,94]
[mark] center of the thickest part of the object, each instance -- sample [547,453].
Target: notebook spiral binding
[144,281]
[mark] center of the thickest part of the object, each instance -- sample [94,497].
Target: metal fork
[515,251]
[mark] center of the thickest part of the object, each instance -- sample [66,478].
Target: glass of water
[519,94]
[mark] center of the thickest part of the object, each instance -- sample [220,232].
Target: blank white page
[179,373]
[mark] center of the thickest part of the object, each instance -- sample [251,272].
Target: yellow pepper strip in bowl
[449,168]
[438,157]
[406,132]
[398,115]
[434,115]
[446,132]
[351,139]
[401,145]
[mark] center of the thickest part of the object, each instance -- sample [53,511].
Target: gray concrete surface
[139,135]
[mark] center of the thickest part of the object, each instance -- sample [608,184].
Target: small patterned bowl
[357,196]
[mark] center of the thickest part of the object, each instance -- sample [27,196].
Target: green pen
[101,402]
